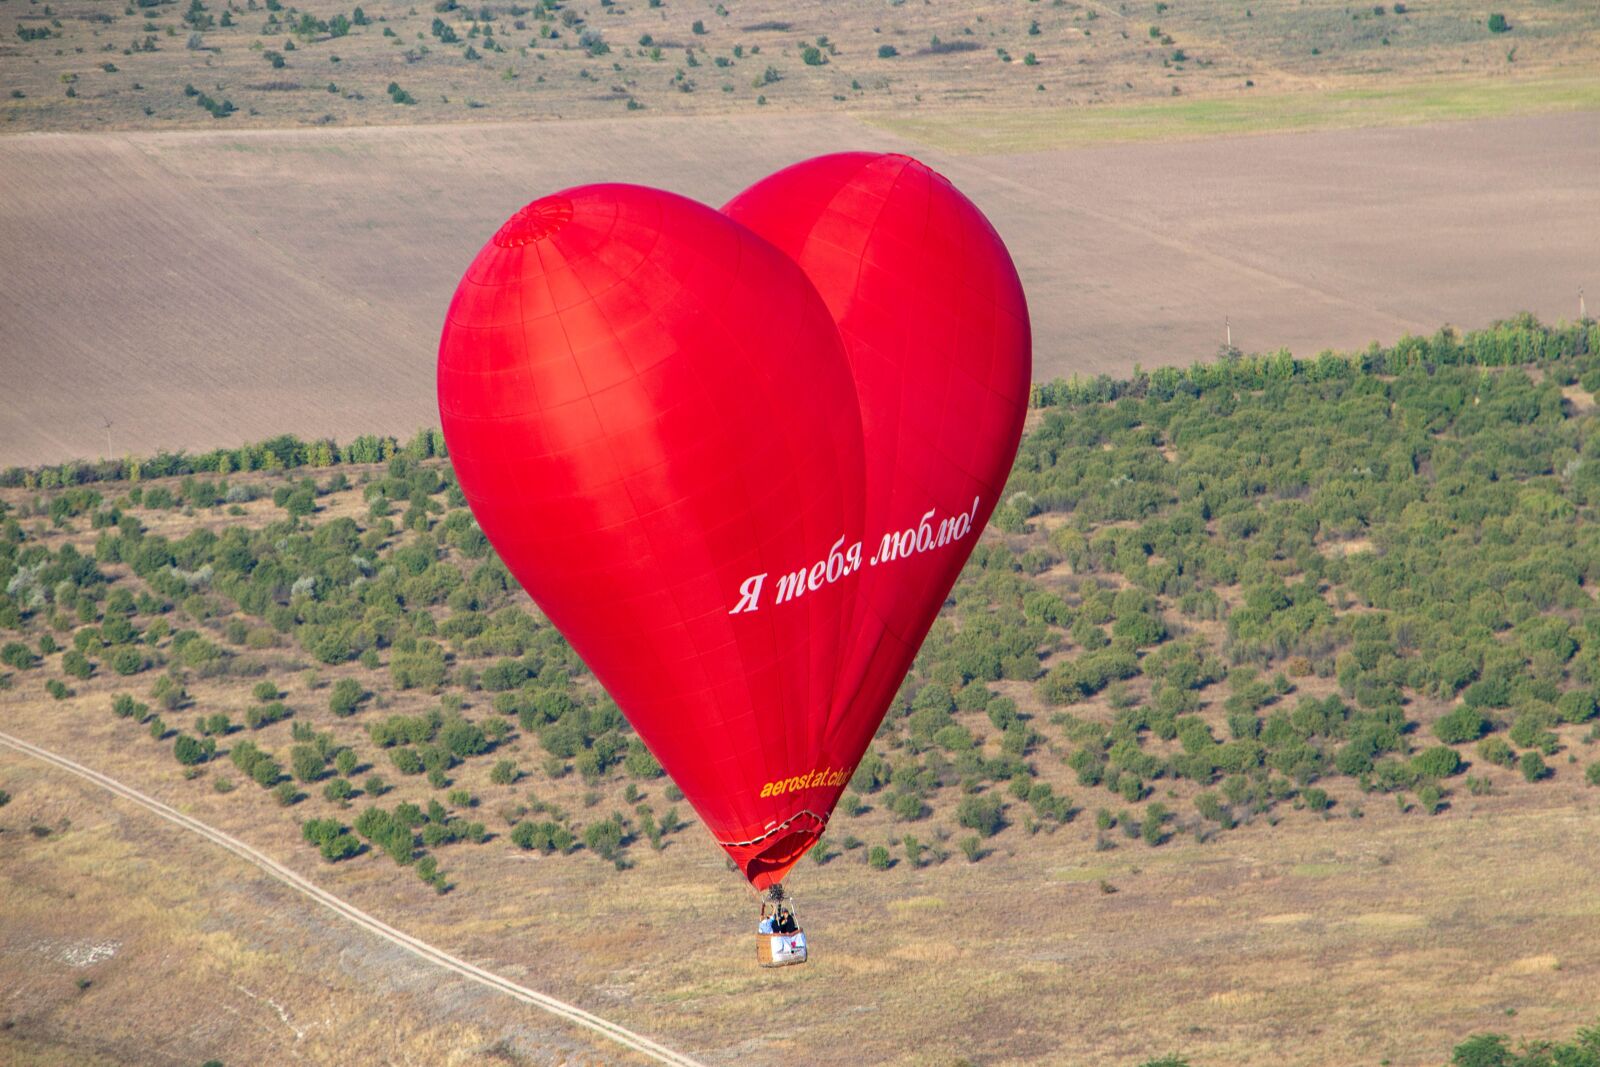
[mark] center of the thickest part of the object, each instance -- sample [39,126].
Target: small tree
[1461,724]
[307,762]
[1498,23]
[1436,762]
[189,752]
[1533,766]
[346,697]
[605,838]
[985,814]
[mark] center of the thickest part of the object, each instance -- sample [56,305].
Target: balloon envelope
[739,458]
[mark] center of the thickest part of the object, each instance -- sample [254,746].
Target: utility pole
[108,439]
[1226,325]
[1582,313]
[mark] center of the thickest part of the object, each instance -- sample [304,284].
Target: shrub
[1498,23]
[1436,762]
[887,51]
[908,807]
[1532,766]
[258,715]
[984,813]
[1592,773]
[345,697]
[1495,750]
[18,655]
[1151,828]
[308,763]
[1460,725]
[76,664]
[265,771]
[878,858]
[189,751]
[547,837]
[605,838]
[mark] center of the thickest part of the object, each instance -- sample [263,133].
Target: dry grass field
[197,289]
[125,941]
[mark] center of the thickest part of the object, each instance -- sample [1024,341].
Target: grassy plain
[1443,99]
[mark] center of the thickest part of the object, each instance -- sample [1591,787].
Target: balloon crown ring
[536,221]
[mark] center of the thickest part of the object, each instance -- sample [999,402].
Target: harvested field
[198,289]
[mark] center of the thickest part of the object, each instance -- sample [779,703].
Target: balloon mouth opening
[534,222]
[773,862]
[767,859]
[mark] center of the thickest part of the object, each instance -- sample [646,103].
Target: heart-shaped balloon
[741,474]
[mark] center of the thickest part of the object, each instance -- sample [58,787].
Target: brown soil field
[198,289]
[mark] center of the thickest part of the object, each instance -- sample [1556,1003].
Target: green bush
[1495,750]
[345,697]
[1532,766]
[1460,725]
[18,655]
[984,813]
[189,751]
[1436,762]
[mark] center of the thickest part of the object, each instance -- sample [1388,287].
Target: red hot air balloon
[654,418]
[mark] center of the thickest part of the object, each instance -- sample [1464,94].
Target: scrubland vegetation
[265,62]
[1215,599]
[1262,587]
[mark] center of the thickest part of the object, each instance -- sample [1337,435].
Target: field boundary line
[604,1027]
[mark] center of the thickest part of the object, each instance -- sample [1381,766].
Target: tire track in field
[605,1028]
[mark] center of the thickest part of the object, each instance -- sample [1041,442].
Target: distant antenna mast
[1226,325]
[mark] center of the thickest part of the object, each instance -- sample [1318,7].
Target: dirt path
[421,949]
